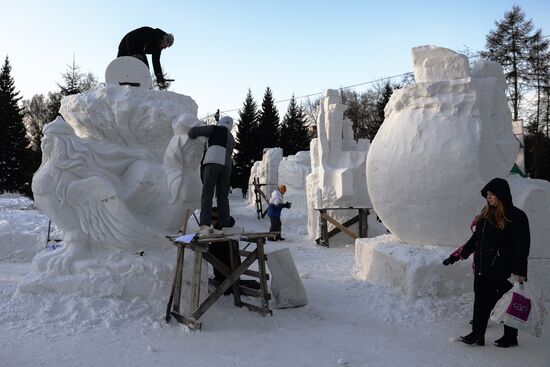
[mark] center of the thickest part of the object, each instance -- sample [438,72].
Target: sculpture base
[415,271]
[114,274]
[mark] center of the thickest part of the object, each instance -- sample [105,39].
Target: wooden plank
[363,222]
[255,274]
[260,310]
[253,292]
[179,272]
[337,230]
[261,268]
[324,229]
[234,259]
[188,321]
[339,225]
[228,282]
[196,282]
[179,260]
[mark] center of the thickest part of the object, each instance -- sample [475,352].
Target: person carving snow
[147,40]
[216,170]
[274,211]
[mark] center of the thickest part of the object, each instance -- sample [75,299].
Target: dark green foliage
[247,149]
[366,110]
[537,153]
[539,77]
[268,123]
[509,45]
[294,135]
[15,176]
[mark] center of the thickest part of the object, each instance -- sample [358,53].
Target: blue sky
[223,48]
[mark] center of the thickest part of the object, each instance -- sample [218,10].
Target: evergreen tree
[14,176]
[381,103]
[509,45]
[246,144]
[539,62]
[268,123]
[537,151]
[294,135]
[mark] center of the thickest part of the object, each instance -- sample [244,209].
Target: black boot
[509,339]
[473,338]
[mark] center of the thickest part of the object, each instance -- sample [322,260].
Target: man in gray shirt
[216,169]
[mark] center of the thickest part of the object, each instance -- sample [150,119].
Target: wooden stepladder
[259,195]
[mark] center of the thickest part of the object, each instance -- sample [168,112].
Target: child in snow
[274,211]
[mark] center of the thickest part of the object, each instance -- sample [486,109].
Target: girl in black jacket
[500,245]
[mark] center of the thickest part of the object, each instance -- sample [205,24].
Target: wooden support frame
[325,218]
[233,274]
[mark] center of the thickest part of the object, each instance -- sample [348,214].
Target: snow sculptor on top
[442,139]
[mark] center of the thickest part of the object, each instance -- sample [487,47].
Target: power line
[316,94]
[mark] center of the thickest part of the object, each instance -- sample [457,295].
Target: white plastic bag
[286,286]
[520,308]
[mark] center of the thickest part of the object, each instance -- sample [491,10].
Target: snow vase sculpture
[442,139]
[337,176]
[119,173]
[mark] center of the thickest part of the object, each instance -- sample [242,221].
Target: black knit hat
[500,188]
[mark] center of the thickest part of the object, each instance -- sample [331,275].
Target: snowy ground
[347,322]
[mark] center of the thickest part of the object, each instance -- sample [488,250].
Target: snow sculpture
[337,176]
[293,171]
[267,170]
[442,139]
[533,197]
[118,174]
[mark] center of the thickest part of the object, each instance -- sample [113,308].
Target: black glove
[451,260]
[287,205]
[161,82]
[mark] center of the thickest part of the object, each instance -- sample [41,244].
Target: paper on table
[186,238]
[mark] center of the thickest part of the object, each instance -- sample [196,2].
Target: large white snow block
[267,170]
[442,140]
[293,171]
[337,176]
[413,270]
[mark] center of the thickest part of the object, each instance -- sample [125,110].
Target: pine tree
[294,135]
[268,123]
[72,79]
[14,177]
[539,62]
[383,100]
[246,144]
[509,45]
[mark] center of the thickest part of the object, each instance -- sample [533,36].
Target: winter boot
[473,338]
[509,339]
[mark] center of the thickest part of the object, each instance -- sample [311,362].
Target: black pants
[487,291]
[220,250]
[216,179]
[275,224]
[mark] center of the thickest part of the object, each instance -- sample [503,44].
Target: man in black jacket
[147,40]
